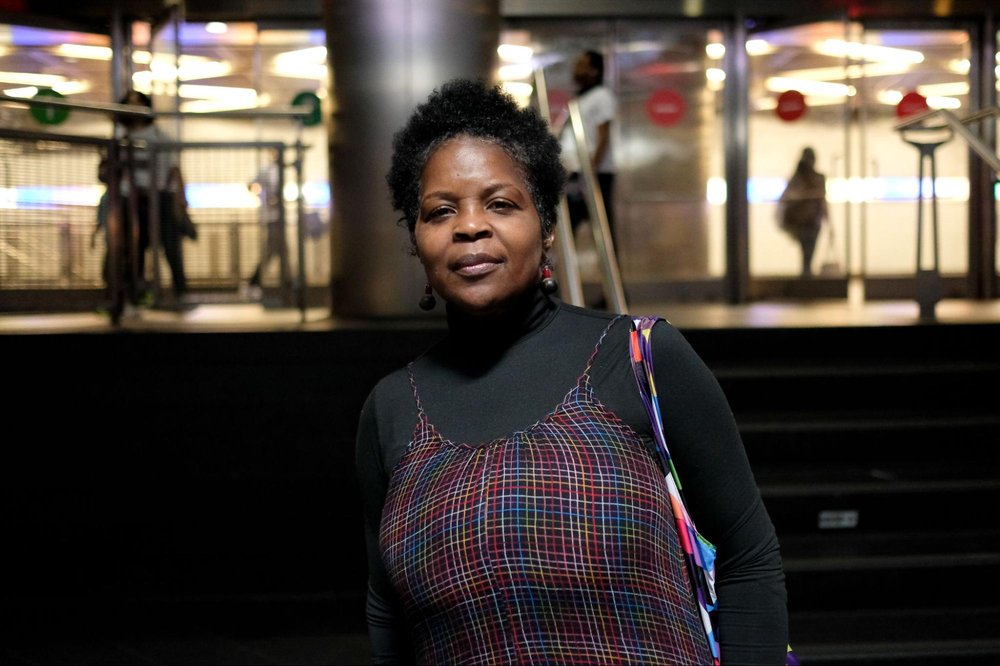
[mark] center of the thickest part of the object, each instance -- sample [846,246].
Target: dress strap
[597,347]
[416,394]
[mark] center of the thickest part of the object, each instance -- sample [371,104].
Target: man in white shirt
[598,109]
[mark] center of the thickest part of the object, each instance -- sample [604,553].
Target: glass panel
[939,72]
[798,95]
[668,141]
[854,82]
[74,66]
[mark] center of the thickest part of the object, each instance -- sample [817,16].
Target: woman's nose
[470,226]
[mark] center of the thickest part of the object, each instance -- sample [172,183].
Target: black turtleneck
[489,378]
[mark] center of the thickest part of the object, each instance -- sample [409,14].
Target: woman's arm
[724,502]
[386,630]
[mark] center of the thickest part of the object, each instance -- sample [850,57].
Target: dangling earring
[427,301]
[549,284]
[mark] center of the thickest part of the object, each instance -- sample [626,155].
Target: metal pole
[569,265]
[598,216]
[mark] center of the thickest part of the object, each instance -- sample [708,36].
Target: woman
[803,207]
[515,511]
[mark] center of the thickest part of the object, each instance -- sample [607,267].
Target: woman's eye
[435,213]
[502,205]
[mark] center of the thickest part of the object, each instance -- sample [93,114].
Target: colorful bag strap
[698,551]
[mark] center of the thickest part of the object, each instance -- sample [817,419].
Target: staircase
[180,484]
[876,450]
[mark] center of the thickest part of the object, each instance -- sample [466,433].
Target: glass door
[841,89]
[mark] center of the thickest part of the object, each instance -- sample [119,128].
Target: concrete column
[386,56]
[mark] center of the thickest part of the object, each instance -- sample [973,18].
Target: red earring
[549,284]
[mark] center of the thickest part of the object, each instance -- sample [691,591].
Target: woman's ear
[547,241]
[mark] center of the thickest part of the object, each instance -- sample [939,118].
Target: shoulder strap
[698,551]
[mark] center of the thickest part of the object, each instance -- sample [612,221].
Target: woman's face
[477,234]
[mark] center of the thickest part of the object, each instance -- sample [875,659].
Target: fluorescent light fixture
[715,50]
[952,89]
[520,91]
[757,47]
[25,92]
[867,52]
[515,72]
[938,102]
[84,51]
[959,66]
[838,73]
[890,97]
[515,54]
[809,87]
[26,79]
[191,90]
[715,74]
[210,105]
[308,63]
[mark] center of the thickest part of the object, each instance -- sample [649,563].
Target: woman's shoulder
[390,388]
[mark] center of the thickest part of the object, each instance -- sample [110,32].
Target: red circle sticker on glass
[791,105]
[912,102]
[665,107]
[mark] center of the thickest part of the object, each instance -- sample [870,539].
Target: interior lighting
[27,79]
[938,102]
[839,73]
[953,89]
[83,51]
[519,90]
[809,87]
[890,97]
[308,63]
[515,54]
[514,72]
[867,52]
[195,91]
[959,66]
[24,92]
[715,50]
[758,47]
[211,105]
[216,28]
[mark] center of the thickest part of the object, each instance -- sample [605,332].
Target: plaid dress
[553,545]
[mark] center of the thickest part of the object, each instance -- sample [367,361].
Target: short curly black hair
[466,107]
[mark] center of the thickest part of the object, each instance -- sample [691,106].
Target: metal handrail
[140,111]
[569,265]
[598,215]
[959,127]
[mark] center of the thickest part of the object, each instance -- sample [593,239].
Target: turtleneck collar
[488,335]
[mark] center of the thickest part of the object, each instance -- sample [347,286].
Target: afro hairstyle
[473,108]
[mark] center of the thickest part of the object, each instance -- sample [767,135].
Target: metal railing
[611,275]
[49,192]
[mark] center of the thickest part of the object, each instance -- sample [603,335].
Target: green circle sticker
[49,115]
[307,98]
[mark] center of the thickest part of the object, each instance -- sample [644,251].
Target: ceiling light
[953,89]
[715,50]
[26,79]
[756,47]
[309,63]
[809,87]
[514,53]
[867,52]
[84,51]
[515,72]
[216,27]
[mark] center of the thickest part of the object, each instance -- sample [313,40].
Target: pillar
[386,56]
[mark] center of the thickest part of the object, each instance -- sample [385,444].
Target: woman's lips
[472,265]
